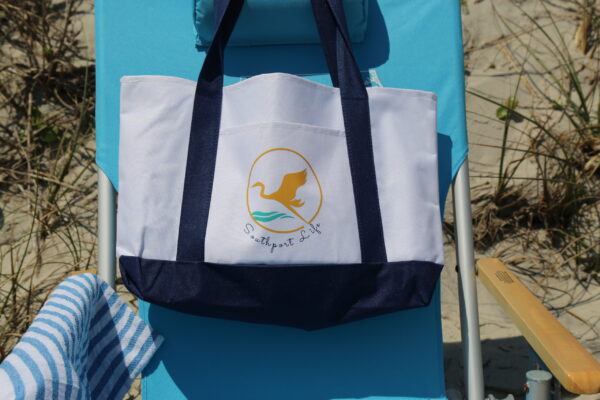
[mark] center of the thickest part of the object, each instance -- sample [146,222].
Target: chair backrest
[413,44]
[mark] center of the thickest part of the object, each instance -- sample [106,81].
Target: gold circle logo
[283,194]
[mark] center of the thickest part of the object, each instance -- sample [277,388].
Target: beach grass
[46,157]
[548,176]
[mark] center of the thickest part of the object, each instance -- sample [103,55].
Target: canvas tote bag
[279,200]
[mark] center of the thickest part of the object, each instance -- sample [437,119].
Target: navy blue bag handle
[206,121]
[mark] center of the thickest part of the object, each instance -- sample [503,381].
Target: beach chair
[414,44]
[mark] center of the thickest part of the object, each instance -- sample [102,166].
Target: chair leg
[107,223]
[469,314]
[538,385]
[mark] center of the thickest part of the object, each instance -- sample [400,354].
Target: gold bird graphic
[286,194]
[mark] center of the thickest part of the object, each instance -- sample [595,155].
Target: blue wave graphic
[269,216]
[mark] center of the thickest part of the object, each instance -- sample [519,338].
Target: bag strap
[206,121]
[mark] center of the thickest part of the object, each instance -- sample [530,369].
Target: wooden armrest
[574,367]
[87,271]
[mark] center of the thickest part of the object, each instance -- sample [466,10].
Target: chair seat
[217,359]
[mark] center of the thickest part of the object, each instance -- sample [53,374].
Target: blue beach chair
[413,44]
[410,44]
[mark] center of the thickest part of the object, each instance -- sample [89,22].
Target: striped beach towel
[85,343]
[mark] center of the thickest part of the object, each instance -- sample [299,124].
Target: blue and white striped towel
[85,343]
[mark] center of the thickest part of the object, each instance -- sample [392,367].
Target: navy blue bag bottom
[307,296]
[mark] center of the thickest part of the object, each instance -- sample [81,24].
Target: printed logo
[283,194]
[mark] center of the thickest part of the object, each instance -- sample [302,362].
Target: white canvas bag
[277,199]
